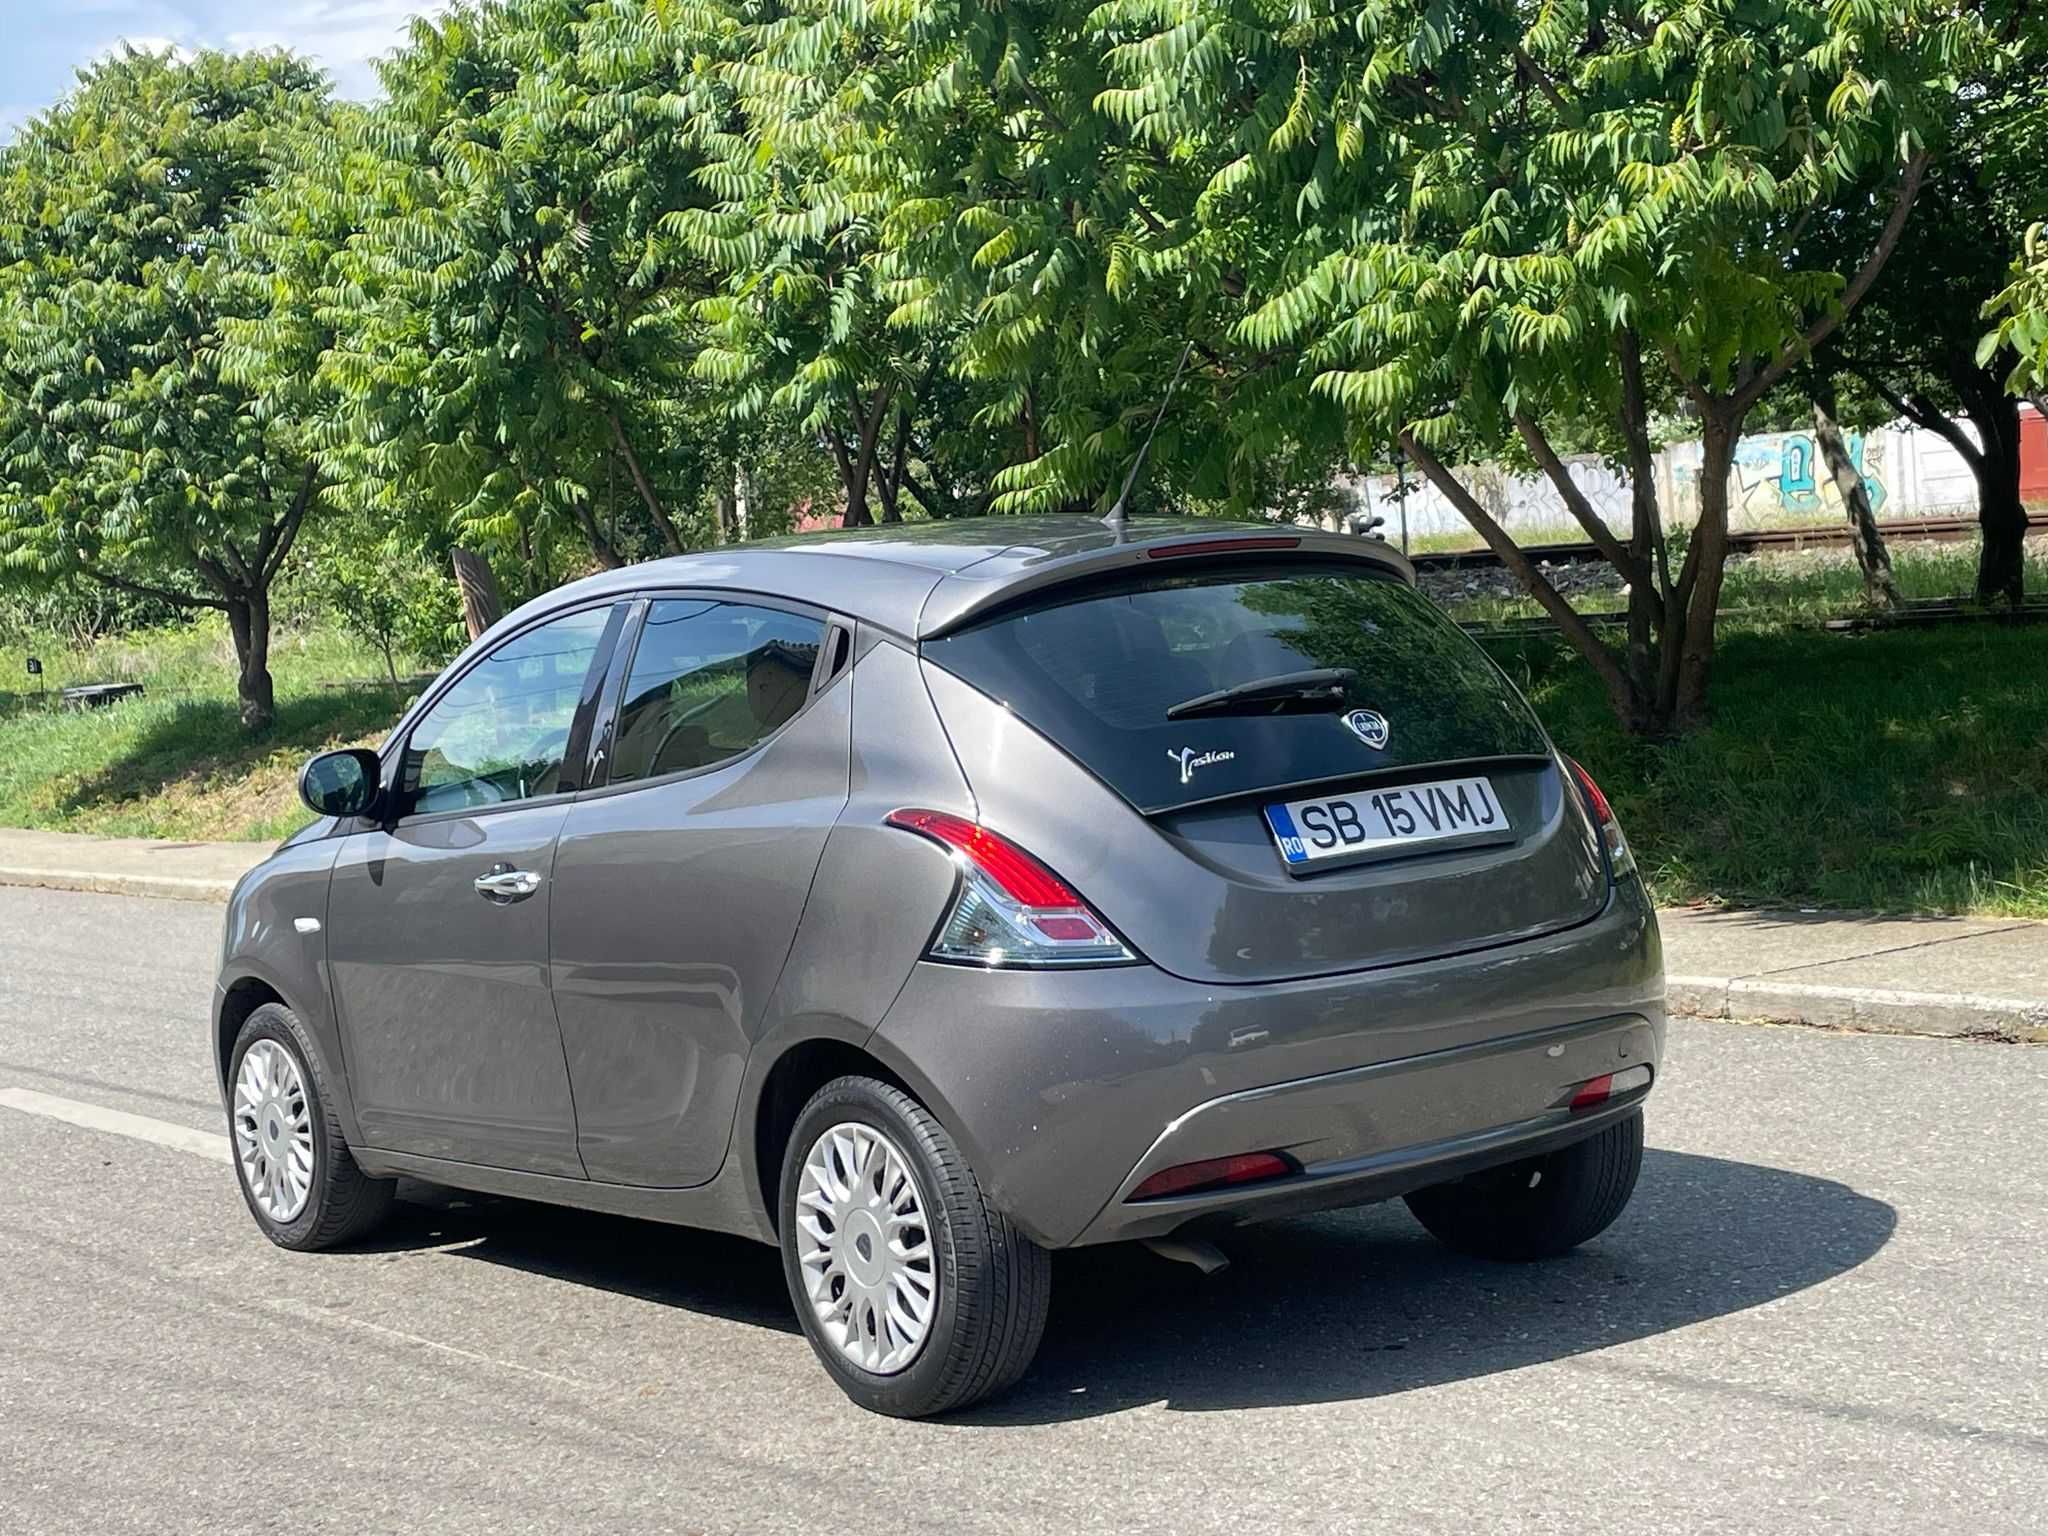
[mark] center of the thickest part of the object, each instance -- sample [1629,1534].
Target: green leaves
[139,438]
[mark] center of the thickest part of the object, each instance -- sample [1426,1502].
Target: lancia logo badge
[1369,726]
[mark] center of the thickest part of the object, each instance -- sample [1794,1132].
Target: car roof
[923,579]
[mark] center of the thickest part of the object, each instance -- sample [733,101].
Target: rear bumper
[1380,1131]
[1068,1090]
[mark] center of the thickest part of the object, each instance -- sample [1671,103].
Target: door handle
[505,884]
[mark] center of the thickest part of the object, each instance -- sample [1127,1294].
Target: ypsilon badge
[1189,760]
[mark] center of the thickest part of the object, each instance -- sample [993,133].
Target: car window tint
[710,679]
[499,734]
[1099,671]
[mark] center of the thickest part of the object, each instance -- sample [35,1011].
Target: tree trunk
[1553,602]
[2002,558]
[1706,563]
[1652,614]
[856,468]
[390,666]
[671,541]
[249,623]
[727,511]
[1880,589]
[742,503]
[481,606]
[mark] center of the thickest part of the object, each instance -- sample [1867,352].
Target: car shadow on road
[706,1272]
[1362,1304]
[1355,1304]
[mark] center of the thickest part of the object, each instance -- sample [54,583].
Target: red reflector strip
[1023,879]
[1214,1173]
[1221,546]
[1592,1094]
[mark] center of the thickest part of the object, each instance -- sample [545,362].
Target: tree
[1504,213]
[503,330]
[384,591]
[934,205]
[2015,174]
[1916,341]
[129,454]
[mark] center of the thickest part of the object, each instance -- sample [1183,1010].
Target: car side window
[500,733]
[709,681]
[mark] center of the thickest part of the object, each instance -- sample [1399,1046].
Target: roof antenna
[1116,513]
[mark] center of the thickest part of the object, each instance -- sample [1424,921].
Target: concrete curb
[169,887]
[1944,1015]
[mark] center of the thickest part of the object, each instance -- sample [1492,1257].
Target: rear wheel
[918,1295]
[300,1182]
[1541,1206]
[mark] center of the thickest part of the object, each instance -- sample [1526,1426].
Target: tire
[340,1202]
[1540,1207]
[992,1283]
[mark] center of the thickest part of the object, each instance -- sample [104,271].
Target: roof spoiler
[966,595]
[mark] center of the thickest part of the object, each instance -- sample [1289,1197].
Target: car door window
[499,735]
[709,681]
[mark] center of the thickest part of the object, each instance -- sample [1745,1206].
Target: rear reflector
[1220,546]
[1214,1173]
[1612,1085]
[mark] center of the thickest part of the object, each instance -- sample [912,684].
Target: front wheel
[918,1295]
[1541,1206]
[297,1175]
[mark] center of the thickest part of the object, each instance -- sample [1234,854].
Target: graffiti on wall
[1783,472]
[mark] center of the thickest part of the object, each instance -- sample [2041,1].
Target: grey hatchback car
[926,899]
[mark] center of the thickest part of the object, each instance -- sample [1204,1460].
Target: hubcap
[864,1249]
[273,1131]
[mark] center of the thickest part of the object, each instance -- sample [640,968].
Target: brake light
[1221,546]
[1010,909]
[1619,859]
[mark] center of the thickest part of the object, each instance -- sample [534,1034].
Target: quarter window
[500,733]
[709,681]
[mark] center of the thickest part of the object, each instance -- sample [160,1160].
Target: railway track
[1919,613]
[1947,530]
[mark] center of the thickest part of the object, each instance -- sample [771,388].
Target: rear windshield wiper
[1320,686]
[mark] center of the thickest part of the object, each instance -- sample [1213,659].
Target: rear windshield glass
[1099,672]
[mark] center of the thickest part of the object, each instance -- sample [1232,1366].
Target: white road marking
[307,1312]
[214,1145]
[208,1144]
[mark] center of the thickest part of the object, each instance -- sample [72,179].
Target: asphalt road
[1825,1310]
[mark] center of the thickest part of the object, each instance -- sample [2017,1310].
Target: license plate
[1370,821]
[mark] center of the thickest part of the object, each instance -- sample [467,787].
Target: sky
[43,42]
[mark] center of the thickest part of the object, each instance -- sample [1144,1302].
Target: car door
[438,918]
[679,883]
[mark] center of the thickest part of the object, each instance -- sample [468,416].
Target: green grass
[176,763]
[1904,771]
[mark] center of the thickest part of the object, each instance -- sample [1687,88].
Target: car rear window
[1098,671]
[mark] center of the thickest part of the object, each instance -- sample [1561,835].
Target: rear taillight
[1619,859]
[1010,909]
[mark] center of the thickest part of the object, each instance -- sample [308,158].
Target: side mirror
[340,783]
